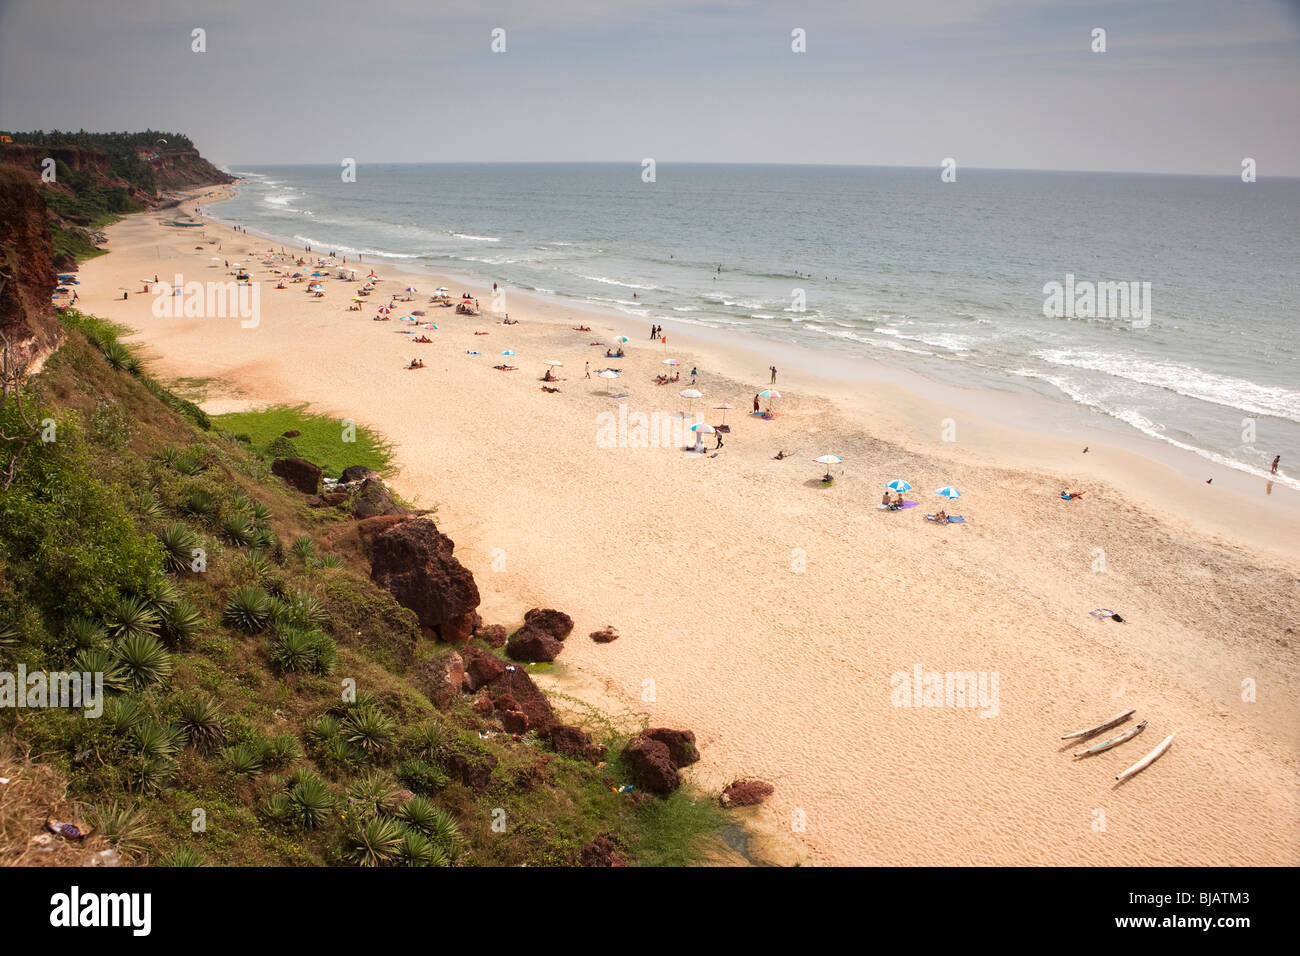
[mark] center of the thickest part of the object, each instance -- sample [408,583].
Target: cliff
[27,318]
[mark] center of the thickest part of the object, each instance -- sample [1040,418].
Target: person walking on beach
[588,370]
[756,405]
[1276,459]
[718,435]
[772,369]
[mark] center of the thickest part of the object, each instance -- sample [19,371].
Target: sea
[1165,305]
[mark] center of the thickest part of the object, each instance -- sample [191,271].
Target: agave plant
[278,808]
[249,610]
[120,358]
[368,729]
[327,561]
[201,505]
[279,750]
[419,850]
[143,660]
[130,616]
[182,856]
[84,632]
[238,529]
[147,505]
[311,803]
[374,793]
[257,565]
[243,759]
[158,594]
[125,826]
[180,622]
[178,542]
[203,723]
[427,740]
[303,547]
[124,714]
[323,728]
[101,660]
[421,776]
[153,740]
[376,841]
[304,609]
[259,512]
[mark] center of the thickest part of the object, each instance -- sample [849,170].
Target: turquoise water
[947,278]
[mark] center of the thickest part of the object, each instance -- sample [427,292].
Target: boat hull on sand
[1113,742]
[1146,761]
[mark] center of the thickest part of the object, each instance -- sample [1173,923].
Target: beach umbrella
[692,394]
[551,362]
[509,352]
[442,288]
[671,362]
[607,373]
[384,310]
[829,460]
[372,276]
[411,288]
[769,393]
[950,493]
[356,298]
[703,429]
[621,338]
[898,484]
[724,406]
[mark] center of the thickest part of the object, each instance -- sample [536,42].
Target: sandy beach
[773,615]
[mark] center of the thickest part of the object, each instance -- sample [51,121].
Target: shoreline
[792,684]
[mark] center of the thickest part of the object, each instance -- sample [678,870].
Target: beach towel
[903,507]
[956,519]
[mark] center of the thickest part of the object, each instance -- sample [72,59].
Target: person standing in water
[772,369]
[1276,459]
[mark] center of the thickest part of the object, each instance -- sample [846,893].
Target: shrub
[249,610]
[238,529]
[182,856]
[143,660]
[178,543]
[130,616]
[311,803]
[203,723]
[84,632]
[303,547]
[368,729]
[181,622]
[123,825]
[376,841]
[243,759]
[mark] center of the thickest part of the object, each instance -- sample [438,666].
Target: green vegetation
[256,678]
[321,439]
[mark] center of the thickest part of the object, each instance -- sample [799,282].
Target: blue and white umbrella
[508,352]
[898,484]
[949,493]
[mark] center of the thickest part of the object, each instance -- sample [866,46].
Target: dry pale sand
[768,614]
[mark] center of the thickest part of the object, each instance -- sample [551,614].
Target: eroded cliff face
[27,318]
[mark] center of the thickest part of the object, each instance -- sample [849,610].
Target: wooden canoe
[1146,761]
[1113,742]
[1106,725]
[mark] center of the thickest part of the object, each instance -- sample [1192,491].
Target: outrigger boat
[1146,761]
[1105,725]
[1113,742]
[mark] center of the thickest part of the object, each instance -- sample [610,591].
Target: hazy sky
[1185,85]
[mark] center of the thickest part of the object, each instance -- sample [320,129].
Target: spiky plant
[201,505]
[249,610]
[323,728]
[143,660]
[182,856]
[243,759]
[203,723]
[427,740]
[374,793]
[238,529]
[187,463]
[147,775]
[311,803]
[257,565]
[279,750]
[178,541]
[376,841]
[304,609]
[159,593]
[181,622]
[419,850]
[302,651]
[421,776]
[153,740]
[124,714]
[85,632]
[9,635]
[130,616]
[419,813]
[125,826]
[327,561]
[101,660]
[369,730]
[147,505]
[120,358]
[303,547]
[278,809]
[259,512]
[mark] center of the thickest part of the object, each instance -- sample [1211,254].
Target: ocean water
[945,278]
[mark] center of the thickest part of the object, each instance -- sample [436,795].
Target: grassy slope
[318,441]
[294,775]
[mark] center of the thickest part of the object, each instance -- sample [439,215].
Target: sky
[1185,86]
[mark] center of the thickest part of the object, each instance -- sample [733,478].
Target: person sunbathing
[898,501]
[423,339]
[941,516]
[780,455]
[582,328]
[416,363]
[548,389]
[886,501]
[548,377]
[506,368]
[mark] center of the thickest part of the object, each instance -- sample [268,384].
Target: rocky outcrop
[601,852]
[357,473]
[530,645]
[414,562]
[527,698]
[605,635]
[372,499]
[27,277]
[747,792]
[549,621]
[298,473]
[575,742]
[493,634]
[651,765]
[443,678]
[481,667]
[680,744]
